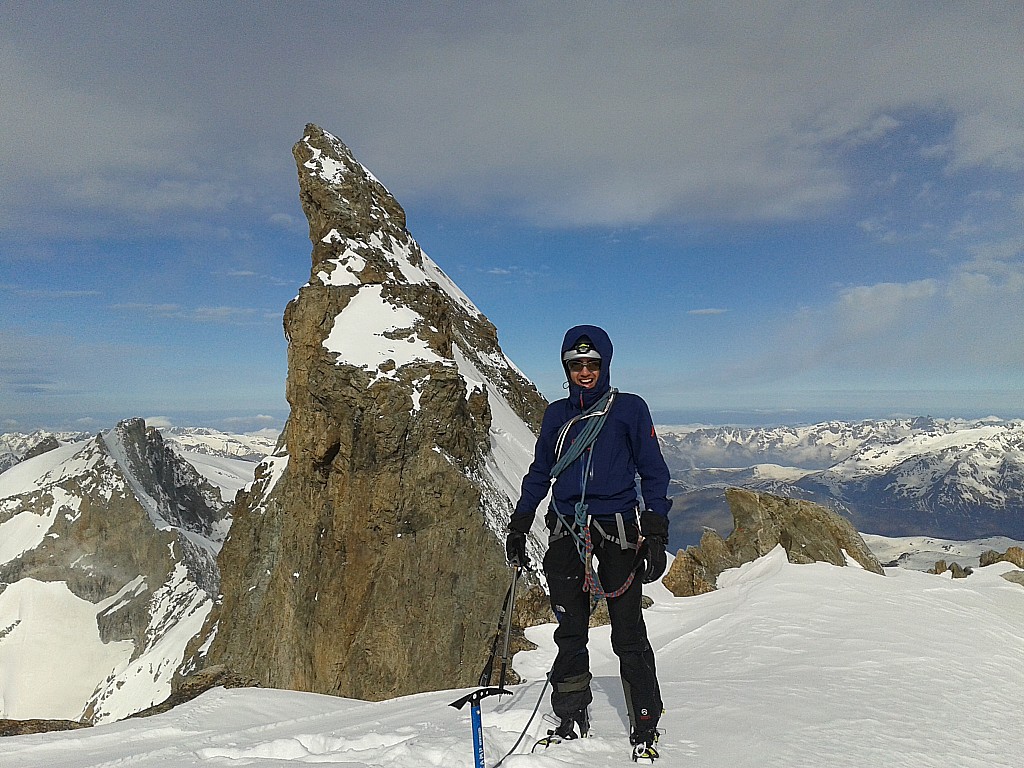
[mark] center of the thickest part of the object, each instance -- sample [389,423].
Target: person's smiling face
[584,373]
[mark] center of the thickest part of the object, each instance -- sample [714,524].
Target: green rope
[595,417]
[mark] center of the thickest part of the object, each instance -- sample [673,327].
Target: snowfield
[785,665]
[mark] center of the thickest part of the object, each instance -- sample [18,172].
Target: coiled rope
[595,418]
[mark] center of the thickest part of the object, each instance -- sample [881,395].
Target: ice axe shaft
[509,610]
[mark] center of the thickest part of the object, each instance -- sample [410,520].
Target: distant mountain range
[947,478]
[251,446]
[108,542]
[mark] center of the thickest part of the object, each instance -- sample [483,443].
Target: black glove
[515,549]
[654,528]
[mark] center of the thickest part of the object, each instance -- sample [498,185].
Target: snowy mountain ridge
[107,557]
[950,478]
[822,445]
[247,446]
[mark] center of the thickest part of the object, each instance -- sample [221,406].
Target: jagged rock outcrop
[808,532]
[364,560]
[1013,555]
[955,570]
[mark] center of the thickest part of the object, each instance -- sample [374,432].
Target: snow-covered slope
[15,445]
[107,569]
[249,446]
[785,666]
[920,553]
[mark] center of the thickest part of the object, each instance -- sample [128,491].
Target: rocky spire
[364,561]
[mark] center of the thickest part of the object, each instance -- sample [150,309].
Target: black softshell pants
[570,674]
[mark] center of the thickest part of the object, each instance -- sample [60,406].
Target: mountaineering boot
[577,721]
[645,745]
[574,726]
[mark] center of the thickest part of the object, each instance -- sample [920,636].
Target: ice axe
[485,689]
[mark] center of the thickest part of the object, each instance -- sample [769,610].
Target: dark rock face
[26,727]
[364,561]
[45,445]
[808,532]
[183,498]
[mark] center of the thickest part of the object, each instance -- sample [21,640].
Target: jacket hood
[578,395]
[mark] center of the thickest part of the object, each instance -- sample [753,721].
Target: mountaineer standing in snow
[593,444]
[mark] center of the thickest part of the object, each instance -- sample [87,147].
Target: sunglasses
[591,365]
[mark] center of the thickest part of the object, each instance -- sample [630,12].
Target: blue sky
[779,210]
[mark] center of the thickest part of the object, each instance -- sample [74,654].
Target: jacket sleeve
[537,480]
[650,463]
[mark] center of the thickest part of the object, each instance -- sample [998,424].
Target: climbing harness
[580,527]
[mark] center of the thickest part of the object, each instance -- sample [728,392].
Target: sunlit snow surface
[51,650]
[371,331]
[230,475]
[921,552]
[785,665]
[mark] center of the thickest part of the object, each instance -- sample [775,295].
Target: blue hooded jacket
[626,446]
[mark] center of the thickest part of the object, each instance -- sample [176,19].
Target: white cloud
[987,139]
[143,195]
[259,418]
[221,314]
[964,327]
[627,113]
[52,294]
[877,311]
[287,221]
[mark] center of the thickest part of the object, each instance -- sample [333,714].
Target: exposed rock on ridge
[808,532]
[364,561]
